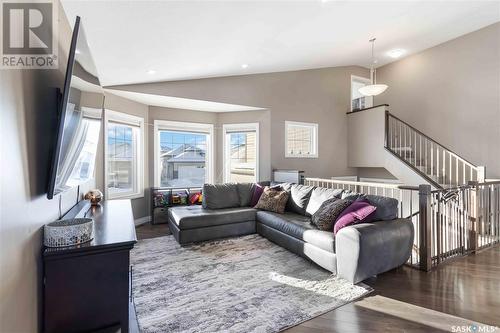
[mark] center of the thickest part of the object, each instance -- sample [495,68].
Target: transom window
[301,139]
[359,101]
[183,154]
[123,151]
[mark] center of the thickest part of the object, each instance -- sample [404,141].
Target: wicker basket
[68,232]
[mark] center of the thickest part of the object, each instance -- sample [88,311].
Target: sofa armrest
[368,249]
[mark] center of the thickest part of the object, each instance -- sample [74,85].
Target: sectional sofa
[355,253]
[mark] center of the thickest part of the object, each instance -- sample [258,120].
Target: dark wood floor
[459,293]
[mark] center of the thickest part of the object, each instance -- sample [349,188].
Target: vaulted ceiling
[147,41]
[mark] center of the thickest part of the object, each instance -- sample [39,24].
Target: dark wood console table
[88,287]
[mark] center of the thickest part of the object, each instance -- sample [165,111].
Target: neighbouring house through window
[124,140]
[241,151]
[183,154]
[301,139]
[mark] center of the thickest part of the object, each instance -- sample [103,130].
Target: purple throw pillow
[355,213]
[257,192]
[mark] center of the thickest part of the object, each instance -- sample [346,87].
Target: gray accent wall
[27,107]
[318,95]
[451,92]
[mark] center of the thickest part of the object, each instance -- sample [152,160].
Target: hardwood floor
[460,293]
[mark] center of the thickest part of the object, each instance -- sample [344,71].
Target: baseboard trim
[142,220]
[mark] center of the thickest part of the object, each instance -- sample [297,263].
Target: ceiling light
[151,71]
[396,53]
[373,89]
[244,66]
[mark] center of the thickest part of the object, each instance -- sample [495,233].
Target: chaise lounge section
[355,253]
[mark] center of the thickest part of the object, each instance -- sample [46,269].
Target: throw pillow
[272,200]
[299,197]
[387,208]
[328,212]
[217,196]
[245,193]
[320,195]
[358,211]
[257,192]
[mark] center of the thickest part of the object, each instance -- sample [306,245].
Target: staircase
[439,165]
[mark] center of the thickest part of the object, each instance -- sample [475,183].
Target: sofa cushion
[218,196]
[320,195]
[273,200]
[245,193]
[327,214]
[387,208]
[359,211]
[299,198]
[192,217]
[298,226]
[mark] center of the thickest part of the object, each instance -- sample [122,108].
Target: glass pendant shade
[372,89]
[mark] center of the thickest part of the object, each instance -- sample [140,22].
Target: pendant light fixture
[373,89]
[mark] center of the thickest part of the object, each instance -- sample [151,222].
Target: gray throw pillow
[327,214]
[320,195]
[245,192]
[387,208]
[218,196]
[299,198]
[349,195]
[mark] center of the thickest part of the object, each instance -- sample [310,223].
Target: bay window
[183,154]
[123,155]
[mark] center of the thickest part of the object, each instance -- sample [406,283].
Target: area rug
[245,284]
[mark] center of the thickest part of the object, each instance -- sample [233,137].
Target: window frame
[314,143]
[167,125]
[365,80]
[134,121]
[225,145]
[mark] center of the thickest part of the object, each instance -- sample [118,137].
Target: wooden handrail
[371,107]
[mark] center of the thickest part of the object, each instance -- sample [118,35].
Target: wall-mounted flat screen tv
[79,119]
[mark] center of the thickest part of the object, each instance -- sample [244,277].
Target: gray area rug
[245,284]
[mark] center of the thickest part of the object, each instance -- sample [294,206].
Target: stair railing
[448,223]
[439,165]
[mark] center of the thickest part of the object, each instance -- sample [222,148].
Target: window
[123,150]
[301,139]
[359,101]
[241,151]
[183,154]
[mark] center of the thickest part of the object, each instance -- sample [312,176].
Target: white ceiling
[195,39]
[180,103]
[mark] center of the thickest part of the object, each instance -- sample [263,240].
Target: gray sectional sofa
[355,253]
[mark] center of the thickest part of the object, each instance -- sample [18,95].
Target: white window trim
[315,139]
[360,79]
[226,150]
[184,126]
[127,119]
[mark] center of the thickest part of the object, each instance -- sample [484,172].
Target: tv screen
[79,119]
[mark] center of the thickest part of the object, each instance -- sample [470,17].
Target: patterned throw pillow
[273,200]
[328,212]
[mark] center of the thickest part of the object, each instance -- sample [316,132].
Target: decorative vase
[95,196]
